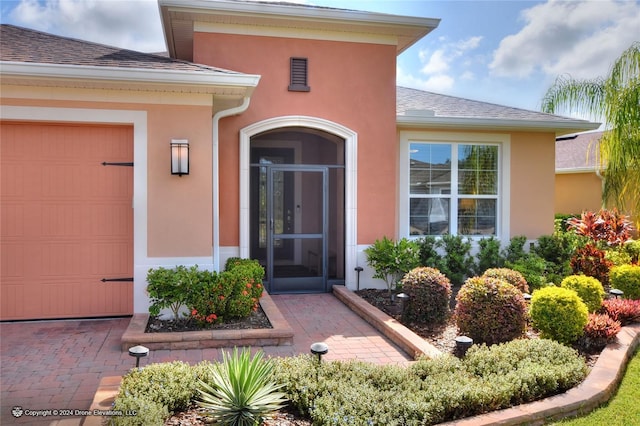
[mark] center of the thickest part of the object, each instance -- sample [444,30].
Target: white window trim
[504,174]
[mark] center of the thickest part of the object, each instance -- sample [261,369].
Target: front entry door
[296,222]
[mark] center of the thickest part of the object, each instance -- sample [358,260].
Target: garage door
[66,221]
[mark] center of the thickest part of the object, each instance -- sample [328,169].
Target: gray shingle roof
[418,102]
[19,44]
[578,152]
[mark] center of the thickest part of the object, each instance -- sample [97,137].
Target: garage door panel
[67,221]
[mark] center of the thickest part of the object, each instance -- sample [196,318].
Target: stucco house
[578,176]
[272,131]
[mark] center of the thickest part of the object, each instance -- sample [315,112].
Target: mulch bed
[256,320]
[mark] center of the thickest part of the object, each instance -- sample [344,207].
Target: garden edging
[280,335]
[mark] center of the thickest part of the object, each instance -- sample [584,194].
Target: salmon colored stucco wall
[352,84]
[173,230]
[532,184]
[577,192]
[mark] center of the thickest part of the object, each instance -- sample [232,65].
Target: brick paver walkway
[57,365]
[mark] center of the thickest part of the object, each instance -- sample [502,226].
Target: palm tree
[616,99]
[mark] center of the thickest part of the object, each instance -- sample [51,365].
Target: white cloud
[436,74]
[130,24]
[580,38]
[436,64]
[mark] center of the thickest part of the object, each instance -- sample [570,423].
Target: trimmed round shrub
[514,278]
[429,294]
[589,290]
[626,311]
[627,279]
[559,314]
[490,310]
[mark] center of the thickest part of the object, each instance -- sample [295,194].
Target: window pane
[478,170]
[429,216]
[429,168]
[477,217]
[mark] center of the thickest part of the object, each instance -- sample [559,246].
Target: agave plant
[240,391]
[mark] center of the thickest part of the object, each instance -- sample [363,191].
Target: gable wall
[352,84]
[577,192]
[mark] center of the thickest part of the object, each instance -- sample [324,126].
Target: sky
[504,52]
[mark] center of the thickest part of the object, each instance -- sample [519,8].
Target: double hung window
[454,188]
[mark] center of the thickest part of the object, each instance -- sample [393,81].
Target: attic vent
[298,81]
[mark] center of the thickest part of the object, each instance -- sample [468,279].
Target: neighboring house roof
[26,53]
[578,153]
[419,108]
[181,18]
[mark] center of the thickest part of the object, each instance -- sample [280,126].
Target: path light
[319,349]
[138,352]
[527,297]
[358,270]
[463,343]
[403,298]
[617,293]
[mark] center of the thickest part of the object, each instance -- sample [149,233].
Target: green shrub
[428,249]
[532,267]
[556,250]
[632,248]
[138,411]
[589,290]
[429,295]
[240,391]
[627,279]
[170,288]
[391,260]
[168,384]
[244,278]
[514,278]
[457,263]
[626,311]
[515,250]
[600,330]
[488,256]
[430,391]
[490,310]
[559,314]
[617,256]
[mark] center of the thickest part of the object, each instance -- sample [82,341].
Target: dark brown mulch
[196,416]
[256,320]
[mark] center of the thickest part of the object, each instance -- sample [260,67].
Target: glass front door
[293,223]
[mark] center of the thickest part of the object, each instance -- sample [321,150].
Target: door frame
[302,284]
[350,191]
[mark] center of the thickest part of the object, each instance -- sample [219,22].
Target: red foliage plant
[601,327]
[608,226]
[626,311]
[590,260]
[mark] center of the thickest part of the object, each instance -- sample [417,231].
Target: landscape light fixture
[616,292]
[179,157]
[138,352]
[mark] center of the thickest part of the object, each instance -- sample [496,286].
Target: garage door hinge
[104,163]
[104,280]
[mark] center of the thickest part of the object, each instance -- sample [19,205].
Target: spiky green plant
[240,390]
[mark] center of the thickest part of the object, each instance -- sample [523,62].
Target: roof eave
[560,128]
[197,80]
[189,9]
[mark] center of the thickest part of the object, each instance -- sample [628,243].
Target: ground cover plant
[343,393]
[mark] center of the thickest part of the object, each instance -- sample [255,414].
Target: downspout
[215,175]
[599,174]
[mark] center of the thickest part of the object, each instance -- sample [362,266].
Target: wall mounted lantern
[179,157]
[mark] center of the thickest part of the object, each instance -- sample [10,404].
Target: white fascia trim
[140,75]
[351,179]
[504,198]
[298,11]
[296,33]
[109,116]
[560,127]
